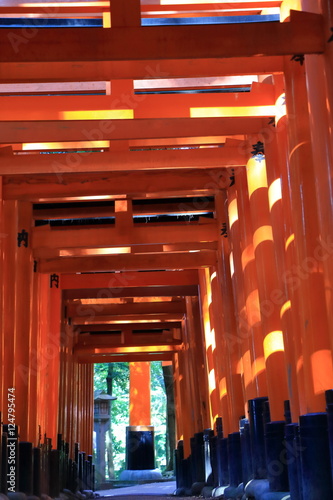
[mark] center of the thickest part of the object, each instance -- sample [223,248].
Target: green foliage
[120,409]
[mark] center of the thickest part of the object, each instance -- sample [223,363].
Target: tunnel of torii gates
[166,194]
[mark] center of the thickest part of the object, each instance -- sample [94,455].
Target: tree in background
[113,379]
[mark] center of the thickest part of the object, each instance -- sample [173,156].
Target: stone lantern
[102,420]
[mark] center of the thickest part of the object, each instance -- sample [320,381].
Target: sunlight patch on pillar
[274,193]
[273,342]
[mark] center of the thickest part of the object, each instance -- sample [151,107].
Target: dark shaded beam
[122,309]
[23,72]
[108,283]
[107,327]
[79,187]
[120,160]
[129,262]
[157,291]
[125,357]
[131,129]
[303,34]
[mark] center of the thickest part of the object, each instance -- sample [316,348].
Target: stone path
[145,491]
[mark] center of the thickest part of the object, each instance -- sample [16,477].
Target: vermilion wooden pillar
[139,393]
[279,203]
[208,343]
[33,429]
[195,367]
[230,341]
[8,304]
[52,353]
[268,283]
[319,77]
[241,338]
[42,365]
[248,267]
[199,361]
[310,251]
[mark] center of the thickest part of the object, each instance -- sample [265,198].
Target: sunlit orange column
[200,363]
[208,343]
[232,383]
[195,367]
[279,204]
[310,249]
[319,77]
[247,266]
[139,393]
[242,335]
[185,400]
[268,285]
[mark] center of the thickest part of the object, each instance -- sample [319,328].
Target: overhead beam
[182,182]
[71,107]
[25,72]
[155,319]
[124,357]
[107,211]
[107,327]
[100,309]
[108,283]
[123,161]
[129,262]
[303,34]
[158,291]
[141,234]
[11,7]
[128,339]
[52,253]
[78,349]
[127,129]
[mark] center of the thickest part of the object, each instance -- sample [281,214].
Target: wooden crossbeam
[127,129]
[96,310]
[26,72]
[141,234]
[123,326]
[303,34]
[108,282]
[146,339]
[53,253]
[128,319]
[96,8]
[80,349]
[129,262]
[158,291]
[154,184]
[142,210]
[102,107]
[124,357]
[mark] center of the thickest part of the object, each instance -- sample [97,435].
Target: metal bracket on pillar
[232,177]
[54,278]
[35,266]
[22,237]
[224,230]
[298,58]
[331,37]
